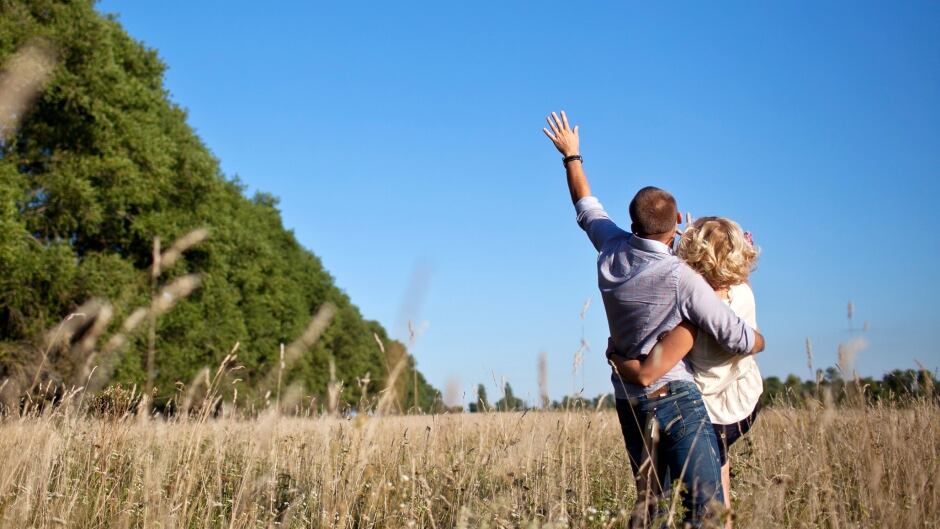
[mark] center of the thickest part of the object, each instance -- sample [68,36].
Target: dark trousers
[668,438]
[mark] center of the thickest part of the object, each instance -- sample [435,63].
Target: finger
[549,134]
[575,130]
[558,121]
[552,125]
[564,119]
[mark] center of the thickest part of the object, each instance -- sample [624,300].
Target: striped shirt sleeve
[594,220]
[699,304]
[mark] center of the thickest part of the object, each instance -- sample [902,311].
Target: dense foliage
[103,163]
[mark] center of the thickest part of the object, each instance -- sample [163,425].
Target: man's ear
[678,218]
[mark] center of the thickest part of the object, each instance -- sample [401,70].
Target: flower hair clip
[749,237]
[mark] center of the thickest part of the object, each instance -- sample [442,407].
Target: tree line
[897,387]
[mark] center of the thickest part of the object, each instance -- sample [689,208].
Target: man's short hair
[653,211]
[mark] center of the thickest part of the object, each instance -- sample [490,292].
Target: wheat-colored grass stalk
[22,79]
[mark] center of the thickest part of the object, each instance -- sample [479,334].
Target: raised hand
[565,138]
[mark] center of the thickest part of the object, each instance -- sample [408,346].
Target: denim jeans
[668,438]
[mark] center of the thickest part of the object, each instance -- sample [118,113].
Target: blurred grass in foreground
[822,467]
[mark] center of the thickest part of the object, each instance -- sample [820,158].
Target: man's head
[654,214]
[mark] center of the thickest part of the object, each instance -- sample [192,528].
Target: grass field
[871,467]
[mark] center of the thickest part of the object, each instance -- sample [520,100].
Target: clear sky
[404,141]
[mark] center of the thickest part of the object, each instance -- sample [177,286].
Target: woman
[730,384]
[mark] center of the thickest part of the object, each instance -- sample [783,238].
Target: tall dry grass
[866,467]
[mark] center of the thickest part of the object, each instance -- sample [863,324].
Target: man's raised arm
[591,215]
[568,143]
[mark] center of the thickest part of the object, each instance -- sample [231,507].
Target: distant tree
[509,402]
[871,388]
[604,401]
[438,406]
[569,402]
[481,403]
[773,391]
[832,374]
[909,383]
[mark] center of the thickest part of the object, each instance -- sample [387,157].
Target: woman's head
[717,248]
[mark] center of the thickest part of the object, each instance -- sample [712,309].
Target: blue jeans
[670,437]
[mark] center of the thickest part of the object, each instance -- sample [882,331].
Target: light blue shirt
[647,291]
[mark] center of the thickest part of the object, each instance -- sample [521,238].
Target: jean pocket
[695,417]
[672,420]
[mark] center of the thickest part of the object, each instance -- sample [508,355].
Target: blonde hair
[717,248]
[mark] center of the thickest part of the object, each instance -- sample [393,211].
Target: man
[647,291]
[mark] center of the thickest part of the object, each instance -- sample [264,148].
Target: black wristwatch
[571,158]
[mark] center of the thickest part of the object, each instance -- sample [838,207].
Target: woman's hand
[566,139]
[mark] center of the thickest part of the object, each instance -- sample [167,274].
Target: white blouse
[731,384]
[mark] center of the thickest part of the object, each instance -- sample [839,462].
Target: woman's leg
[727,436]
[726,488]
[726,483]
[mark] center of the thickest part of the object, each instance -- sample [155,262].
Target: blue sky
[404,141]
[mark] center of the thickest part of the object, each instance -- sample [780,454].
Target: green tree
[482,403]
[509,402]
[102,164]
[773,391]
